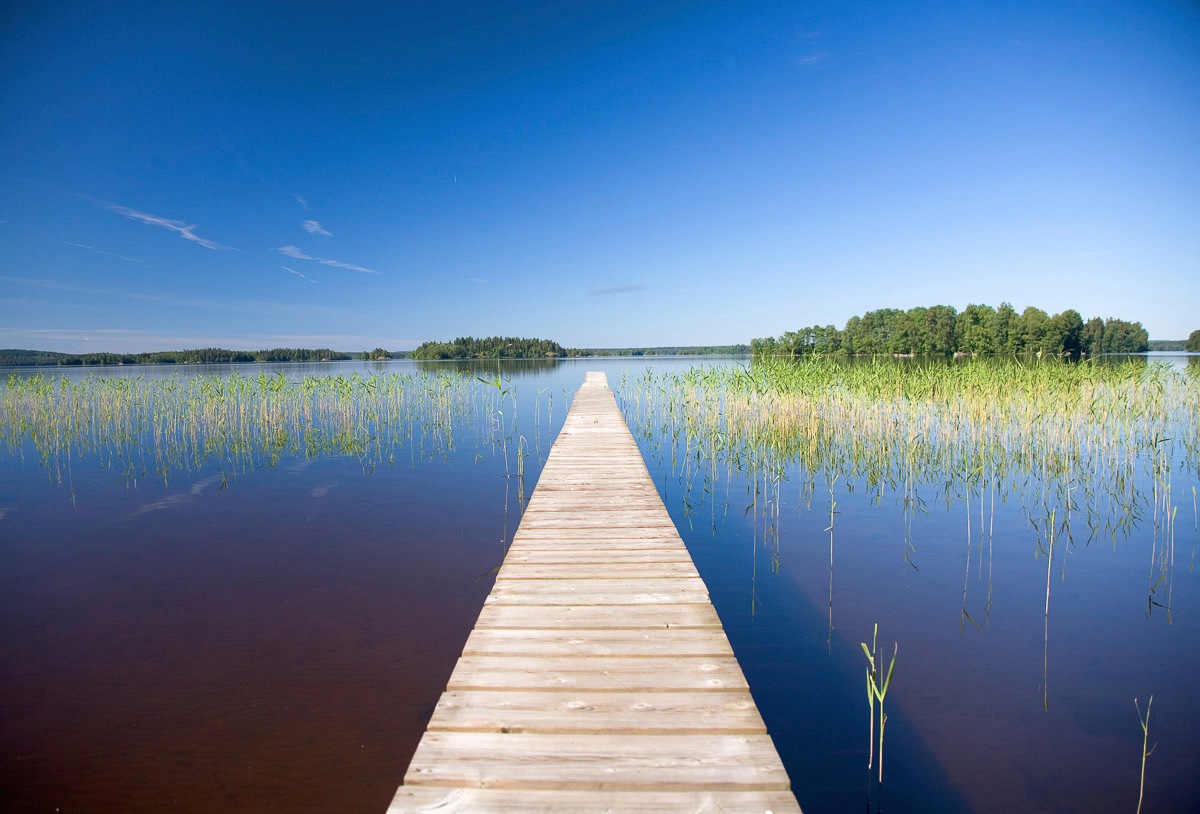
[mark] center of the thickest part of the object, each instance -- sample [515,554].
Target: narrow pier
[598,677]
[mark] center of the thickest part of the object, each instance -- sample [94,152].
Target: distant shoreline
[15,357]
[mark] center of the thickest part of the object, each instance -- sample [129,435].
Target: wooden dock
[598,677]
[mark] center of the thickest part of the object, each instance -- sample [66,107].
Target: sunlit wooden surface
[598,677]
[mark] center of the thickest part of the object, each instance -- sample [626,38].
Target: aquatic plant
[153,427]
[1144,720]
[877,687]
[1084,437]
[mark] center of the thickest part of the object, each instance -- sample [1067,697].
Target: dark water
[276,639]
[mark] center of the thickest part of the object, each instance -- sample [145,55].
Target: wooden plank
[598,503]
[590,801]
[656,569]
[586,712]
[596,533]
[597,677]
[596,617]
[563,673]
[598,592]
[604,642]
[616,762]
[572,521]
[590,555]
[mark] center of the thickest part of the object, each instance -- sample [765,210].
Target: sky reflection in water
[276,636]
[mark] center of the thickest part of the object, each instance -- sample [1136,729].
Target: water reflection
[956,512]
[487,368]
[155,428]
[259,584]
[258,608]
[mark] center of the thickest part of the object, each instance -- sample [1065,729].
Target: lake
[208,616]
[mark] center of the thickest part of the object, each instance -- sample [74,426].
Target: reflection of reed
[1087,450]
[1095,440]
[155,427]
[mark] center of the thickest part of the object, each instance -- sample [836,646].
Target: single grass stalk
[1145,722]
[877,691]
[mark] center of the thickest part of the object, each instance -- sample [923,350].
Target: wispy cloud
[179,499]
[292,251]
[184,230]
[314,228]
[300,200]
[813,59]
[618,289]
[101,251]
[298,274]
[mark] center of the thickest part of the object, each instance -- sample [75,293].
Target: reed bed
[1090,443]
[158,426]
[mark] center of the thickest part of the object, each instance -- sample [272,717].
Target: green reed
[153,427]
[1087,435]
[877,688]
[1144,720]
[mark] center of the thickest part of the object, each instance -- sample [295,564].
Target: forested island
[978,329]
[667,350]
[493,347]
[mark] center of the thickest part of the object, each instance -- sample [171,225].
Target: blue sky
[262,174]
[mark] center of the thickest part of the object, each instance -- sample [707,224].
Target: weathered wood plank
[616,762]
[596,533]
[591,801]
[598,617]
[588,712]
[556,642]
[599,503]
[591,554]
[570,521]
[596,570]
[598,592]
[558,673]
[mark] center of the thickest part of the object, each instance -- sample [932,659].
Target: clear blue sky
[259,174]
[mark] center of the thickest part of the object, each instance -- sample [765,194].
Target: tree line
[193,356]
[667,350]
[978,329]
[492,347]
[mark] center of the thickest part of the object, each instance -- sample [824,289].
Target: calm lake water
[274,636]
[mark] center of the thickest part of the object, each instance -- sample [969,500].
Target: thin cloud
[184,230]
[292,251]
[813,59]
[178,499]
[101,251]
[298,274]
[314,228]
[618,289]
[300,200]
[1086,254]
